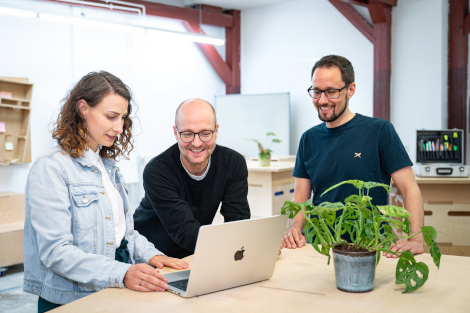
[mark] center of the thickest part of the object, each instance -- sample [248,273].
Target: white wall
[281,43]
[419,68]
[55,56]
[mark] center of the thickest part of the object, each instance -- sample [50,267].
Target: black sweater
[175,205]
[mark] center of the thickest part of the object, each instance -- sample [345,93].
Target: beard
[334,116]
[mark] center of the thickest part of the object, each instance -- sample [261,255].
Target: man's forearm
[414,205]
[298,221]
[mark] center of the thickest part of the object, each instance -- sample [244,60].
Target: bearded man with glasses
[185,184]
[350,146]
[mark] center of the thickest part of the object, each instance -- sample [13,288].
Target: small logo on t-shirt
[357,154]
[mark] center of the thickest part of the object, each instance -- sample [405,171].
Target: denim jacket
[68,239]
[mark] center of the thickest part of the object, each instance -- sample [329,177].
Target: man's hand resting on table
[293,238]
[163,260]
[416,247]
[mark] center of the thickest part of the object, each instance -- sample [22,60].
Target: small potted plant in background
[370,230]
[265,153]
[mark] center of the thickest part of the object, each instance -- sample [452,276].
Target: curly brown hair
[70,128]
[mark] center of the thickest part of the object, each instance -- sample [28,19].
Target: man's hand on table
[162,260]
[416,247]
[293,238]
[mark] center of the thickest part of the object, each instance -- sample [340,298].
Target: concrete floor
[12,297]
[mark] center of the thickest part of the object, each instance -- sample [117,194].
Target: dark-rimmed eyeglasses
[205,135]
[329,93]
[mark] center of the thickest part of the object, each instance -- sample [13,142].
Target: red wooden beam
[232,52]
[382,61]
[458,61]
[357,20]
[380,35]
[377,12]
[228,71]
[365,3]
[466,28]
[212,55]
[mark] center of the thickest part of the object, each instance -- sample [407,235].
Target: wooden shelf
[15,112]
[15,99]
[11,227]
[16,82]
[21,107]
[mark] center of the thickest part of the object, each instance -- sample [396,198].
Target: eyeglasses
[205,135]
[329,93]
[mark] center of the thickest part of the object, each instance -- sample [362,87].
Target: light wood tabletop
[303,281]
[274,167]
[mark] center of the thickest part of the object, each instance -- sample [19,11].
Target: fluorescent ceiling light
[18,12]
[186,36]
[91,23]
[140,29]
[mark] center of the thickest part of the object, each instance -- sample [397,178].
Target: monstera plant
[369,228]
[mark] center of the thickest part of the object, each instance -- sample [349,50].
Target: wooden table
[269,187]
[303,282]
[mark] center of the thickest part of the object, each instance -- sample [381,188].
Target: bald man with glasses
[185,184]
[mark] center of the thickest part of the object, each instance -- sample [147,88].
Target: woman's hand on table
[143,277]
[162,260]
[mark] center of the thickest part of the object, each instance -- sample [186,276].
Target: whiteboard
[243,117]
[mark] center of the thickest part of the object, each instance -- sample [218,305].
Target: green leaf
[371,184]
[271,134]
[407,272]
[276,140]
[293,208]
[253,140]
[353,198]
[430,235]
[359,184]
[392,210]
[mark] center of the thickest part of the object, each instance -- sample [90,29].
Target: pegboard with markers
[440,153]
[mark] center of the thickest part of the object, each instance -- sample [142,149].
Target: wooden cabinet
[269,187]
[15,110]
[447,209]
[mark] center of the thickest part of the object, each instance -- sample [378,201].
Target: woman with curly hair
[79,234]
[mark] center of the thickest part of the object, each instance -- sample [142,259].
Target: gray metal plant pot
[354,271]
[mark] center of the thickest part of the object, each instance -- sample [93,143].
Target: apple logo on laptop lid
[239,254]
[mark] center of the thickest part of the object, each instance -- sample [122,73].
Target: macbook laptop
[230,255]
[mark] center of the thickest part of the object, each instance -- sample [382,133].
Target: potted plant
[265,153]
[370,230]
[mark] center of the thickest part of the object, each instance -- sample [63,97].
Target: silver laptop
[230,255]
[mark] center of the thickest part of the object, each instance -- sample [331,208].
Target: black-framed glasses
[205,135]
[329,93]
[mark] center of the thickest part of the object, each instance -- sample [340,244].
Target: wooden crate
[12,207]
[15,113]
[11,244]
[12,213]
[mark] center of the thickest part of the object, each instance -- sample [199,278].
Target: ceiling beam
[355,18]
[380,34]
[229,70]
[466,28]
[211,54]
[458,62]
[365,3]
[377,13]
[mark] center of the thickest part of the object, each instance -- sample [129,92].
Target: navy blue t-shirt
[364,148]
